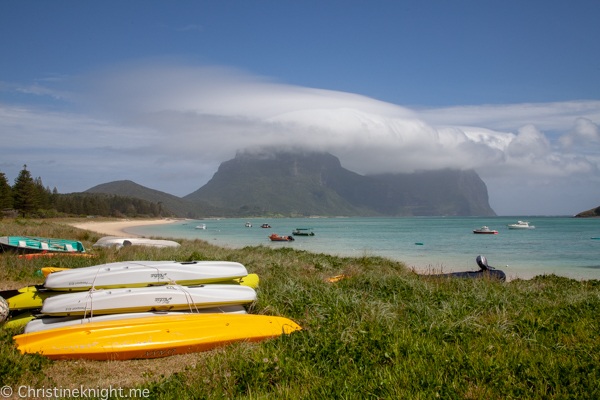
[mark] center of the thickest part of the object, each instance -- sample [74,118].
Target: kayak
[144,273]
[19,320]
[49,255]
[153,298]
[32,297]
[152,337]
[46,323]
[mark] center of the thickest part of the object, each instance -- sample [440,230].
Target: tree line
[29,197]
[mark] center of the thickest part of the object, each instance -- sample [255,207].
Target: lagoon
[558,245]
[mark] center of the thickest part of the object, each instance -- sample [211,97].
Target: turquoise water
[559,245]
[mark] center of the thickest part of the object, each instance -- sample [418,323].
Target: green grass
[382,332]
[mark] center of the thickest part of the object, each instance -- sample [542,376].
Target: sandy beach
[118,228]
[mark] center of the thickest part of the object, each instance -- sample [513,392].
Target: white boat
[144,273]
[109,241]
[520,225]
[485,230]
[248,225]
[146,299]
[203,226]
[46,323]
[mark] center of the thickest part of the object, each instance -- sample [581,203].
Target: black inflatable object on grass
[485,271]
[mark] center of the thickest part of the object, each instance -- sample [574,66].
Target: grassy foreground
[383,332]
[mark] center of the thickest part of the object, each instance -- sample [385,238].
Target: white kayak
[144,273]
[154,298]
[109,241]
[46,323]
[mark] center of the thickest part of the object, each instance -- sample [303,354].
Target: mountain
[302,183]
[180,207]
[593,213]
[285,183]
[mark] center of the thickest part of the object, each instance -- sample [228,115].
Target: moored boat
[265,226]
[303,232]
[152,337]
[31,245]
[248,224]
[276,238]
[485,230]
[520,225]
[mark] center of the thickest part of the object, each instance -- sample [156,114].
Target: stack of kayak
[142,309]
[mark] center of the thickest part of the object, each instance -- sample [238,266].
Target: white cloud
[584,132]
[183,121]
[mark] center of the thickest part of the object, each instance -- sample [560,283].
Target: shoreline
[119,228]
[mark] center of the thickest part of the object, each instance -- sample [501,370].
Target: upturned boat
[31,245]
[118,242]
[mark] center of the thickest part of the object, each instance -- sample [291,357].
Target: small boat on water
[276,238]
[203,226]
[485,230]
[303,232]
[248,224]
[265,226]
[32,245]
[520,225]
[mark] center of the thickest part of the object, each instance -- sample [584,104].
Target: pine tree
[25,193]
[6,200]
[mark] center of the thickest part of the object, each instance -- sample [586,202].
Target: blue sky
[162,92]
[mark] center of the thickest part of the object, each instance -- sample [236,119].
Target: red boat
[265,226]
[485,230]
[276,238]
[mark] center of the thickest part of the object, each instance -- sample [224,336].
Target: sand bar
[118,228]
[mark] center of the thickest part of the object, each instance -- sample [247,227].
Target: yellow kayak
[30,298]
[152,337]
[19,321]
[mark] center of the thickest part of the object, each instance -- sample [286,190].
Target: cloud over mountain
[180,120]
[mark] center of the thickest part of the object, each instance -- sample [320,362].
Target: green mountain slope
[182,208]
[593,213]
[317,184]
[288,184]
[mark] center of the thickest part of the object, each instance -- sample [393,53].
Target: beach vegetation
[382,331]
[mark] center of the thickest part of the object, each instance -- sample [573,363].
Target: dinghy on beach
[118,242]
[32,245]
